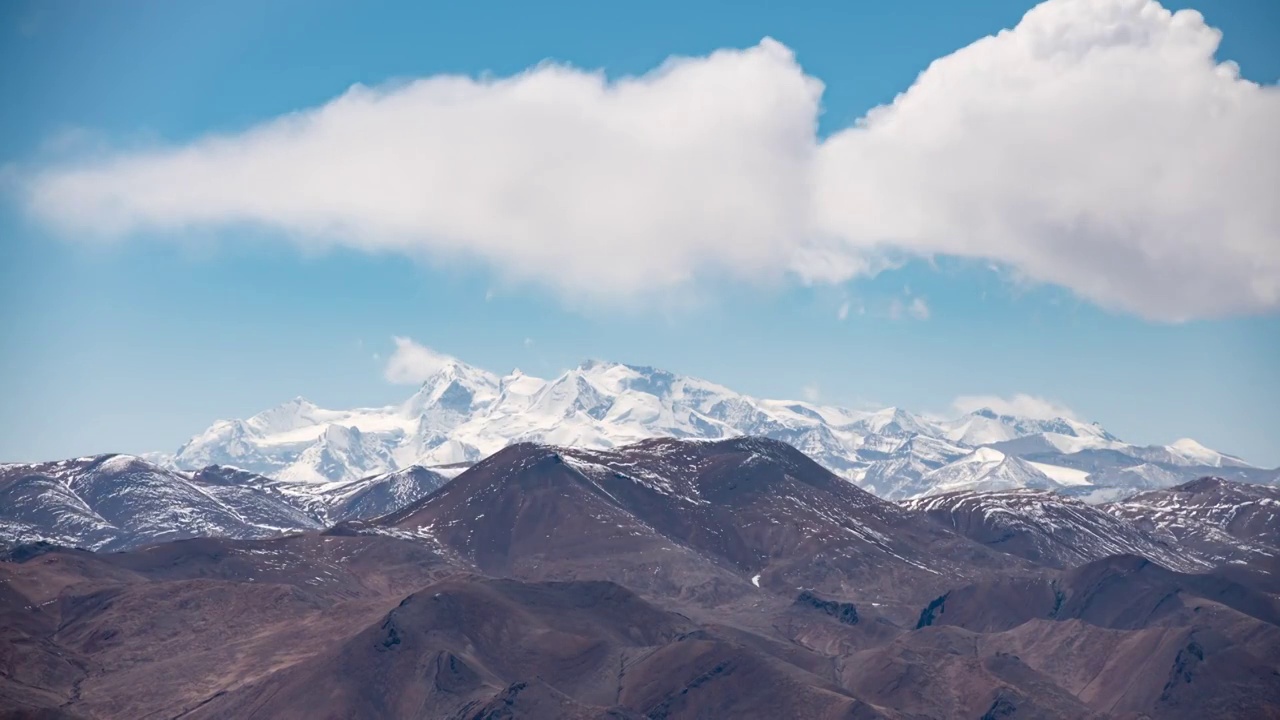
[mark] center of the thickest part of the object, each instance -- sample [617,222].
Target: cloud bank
[1097,146]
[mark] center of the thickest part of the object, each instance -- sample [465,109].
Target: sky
[209,208]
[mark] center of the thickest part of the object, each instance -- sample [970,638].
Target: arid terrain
[670,579]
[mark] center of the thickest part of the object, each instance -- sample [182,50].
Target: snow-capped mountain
[379,495]
[1189,452]
[116,502]
[986,427]
[988,469]
[339,452]
[899,471]
[462,414]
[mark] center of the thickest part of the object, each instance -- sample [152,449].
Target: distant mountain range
[462,414]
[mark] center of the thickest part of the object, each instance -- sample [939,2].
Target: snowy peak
[570,394]
[988,469]
[617,378]
[341,438]
[895,421]
[982,427]
[1196,454]
[454,387]
[461,414]
[516,390]
[226,442]
[985,427]
[296,413]
[339,451]
[1191,447]
[985,455]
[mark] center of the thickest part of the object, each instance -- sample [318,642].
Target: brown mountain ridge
[666,579]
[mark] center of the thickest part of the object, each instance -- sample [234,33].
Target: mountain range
[622,542]
[461,414]
[118,502]
[665,578]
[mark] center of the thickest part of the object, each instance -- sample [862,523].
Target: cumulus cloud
[1098,146]
[594,187]
[412,364]
[1022,405]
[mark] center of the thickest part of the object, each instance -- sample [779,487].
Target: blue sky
[136,341]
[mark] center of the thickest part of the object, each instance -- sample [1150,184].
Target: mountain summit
[460,414]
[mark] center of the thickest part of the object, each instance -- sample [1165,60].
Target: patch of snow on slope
[1062,475]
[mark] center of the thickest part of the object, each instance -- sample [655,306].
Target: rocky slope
[1222,519]
[1051,529]
[694,518]
[666,579]
[116,502]
[663,579]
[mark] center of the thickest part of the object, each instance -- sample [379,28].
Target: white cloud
[1096,146]
[528,342]
[411,363]
[1024,405]
[843,312]
[811,393]
[599,189]
[918,309]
